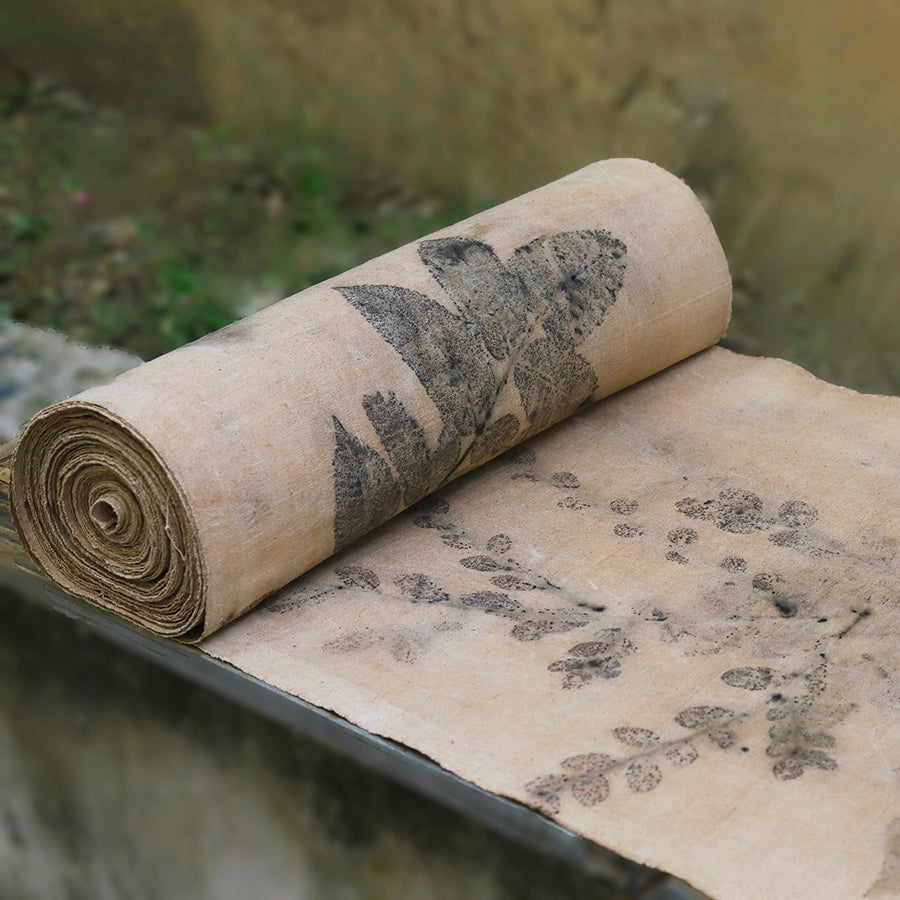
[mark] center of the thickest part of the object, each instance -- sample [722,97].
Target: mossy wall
[781,113]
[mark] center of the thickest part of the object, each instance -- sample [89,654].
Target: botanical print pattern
[795,709]
[520,322]
[644,756]
[796,705]
[669,622]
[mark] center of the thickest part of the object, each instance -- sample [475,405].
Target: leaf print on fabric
[584,775]
[481,288]
[575,276]
[443,351]
[421,588]
[552,382]
[368,491]
[493,602]
[713,721]
[601,658]
[518,323]
[403,439]
[798,738]
[589,777]
[742,512]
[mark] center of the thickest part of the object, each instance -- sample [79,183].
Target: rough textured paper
[669,623]
[298,429]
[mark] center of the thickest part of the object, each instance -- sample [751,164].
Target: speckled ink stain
[599,658]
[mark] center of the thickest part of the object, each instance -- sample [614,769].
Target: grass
[126,233]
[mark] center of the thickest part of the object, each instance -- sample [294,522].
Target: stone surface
[40,367]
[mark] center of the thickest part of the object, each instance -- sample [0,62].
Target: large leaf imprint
[517,323]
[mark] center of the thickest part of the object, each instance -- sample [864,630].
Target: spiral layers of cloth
[113,524]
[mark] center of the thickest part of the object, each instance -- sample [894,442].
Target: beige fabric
[670,623]
[291,433]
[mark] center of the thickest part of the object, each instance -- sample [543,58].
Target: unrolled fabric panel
[670,625]
[192,487]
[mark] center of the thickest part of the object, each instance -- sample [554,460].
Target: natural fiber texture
[194,486]
[670,624]
[114,524]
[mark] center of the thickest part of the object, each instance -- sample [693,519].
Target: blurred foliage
[121,231]
[120,227]
[779,115]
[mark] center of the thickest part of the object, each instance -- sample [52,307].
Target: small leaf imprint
[750,678]
[796,741]
[641,738]
[420,588]
[741,511]
[584,775]
[588,660]
[589,777]
[712,721]
[642,776]
[314,590]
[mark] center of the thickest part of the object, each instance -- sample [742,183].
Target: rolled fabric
[193,486]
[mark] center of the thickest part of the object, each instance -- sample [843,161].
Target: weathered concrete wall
[782,113]
[121,782]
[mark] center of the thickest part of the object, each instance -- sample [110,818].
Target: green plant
[124,232]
